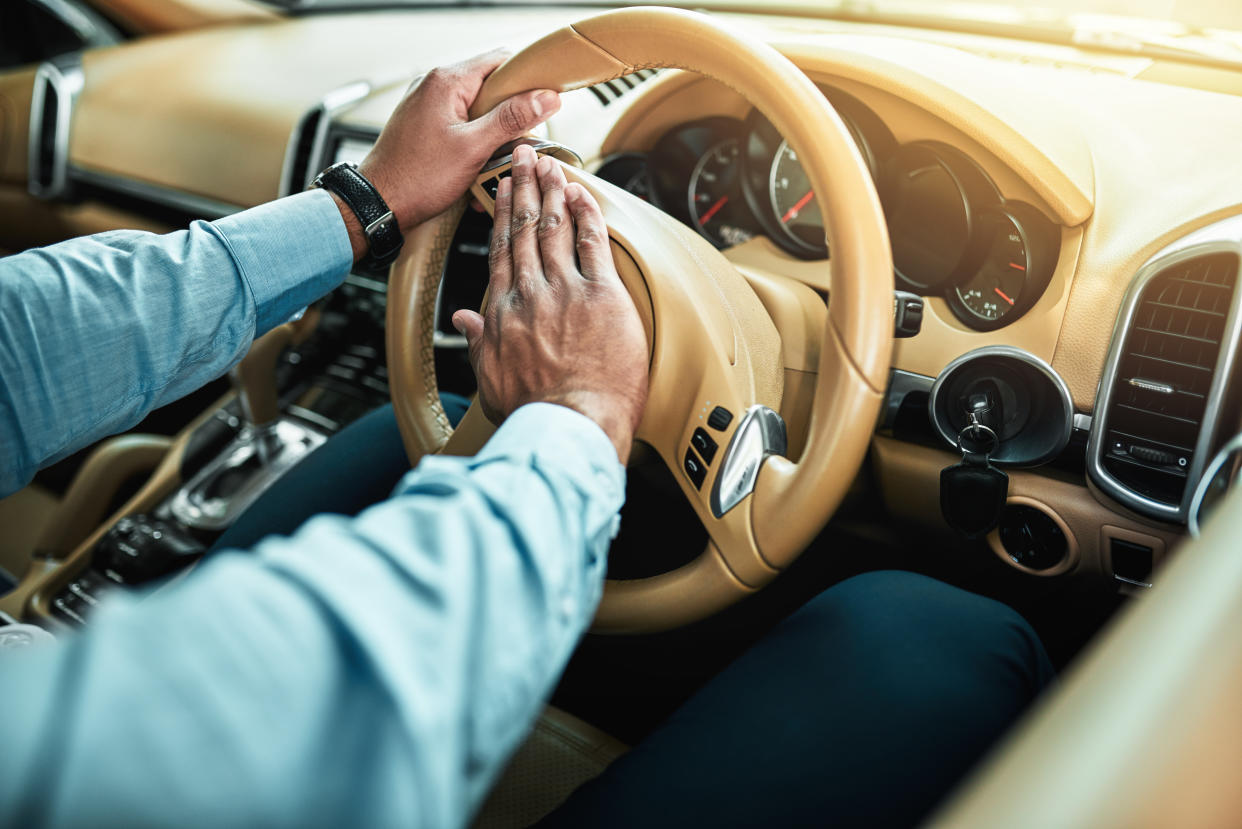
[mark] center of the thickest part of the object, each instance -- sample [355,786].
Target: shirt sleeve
[375,671]
[98,331]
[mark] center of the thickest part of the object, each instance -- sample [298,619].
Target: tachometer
[793,200]
[716,207]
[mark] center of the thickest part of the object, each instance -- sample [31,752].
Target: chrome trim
[1222,457]
[276,447]
[1151,385]
[327,107]
[553,148]
[1132,582]
[1082,422]
[760,432]
[64,75]
[195,205]
[1020,355]
[1222,237]
[85,23]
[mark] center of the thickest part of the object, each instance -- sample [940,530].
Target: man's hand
[429,153]
[553,331]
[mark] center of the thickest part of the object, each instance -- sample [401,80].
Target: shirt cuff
[290,252]
[564,439]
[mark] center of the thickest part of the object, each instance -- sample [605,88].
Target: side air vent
[609,91]
[56,86]
[1165,379]
[298,156]
[304,156]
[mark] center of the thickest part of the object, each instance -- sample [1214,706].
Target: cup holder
[1015,394]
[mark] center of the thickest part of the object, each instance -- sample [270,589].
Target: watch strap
[379,224]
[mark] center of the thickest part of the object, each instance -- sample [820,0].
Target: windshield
[1207,31]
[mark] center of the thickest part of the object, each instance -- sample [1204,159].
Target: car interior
[941,287]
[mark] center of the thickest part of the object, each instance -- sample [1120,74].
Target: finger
[470,325]
[514,117]
[594,253]
[476,69]
[556,230]
[527,265]
[500,255]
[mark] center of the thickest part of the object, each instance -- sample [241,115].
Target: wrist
[374,229]
[357,239]
[613,416]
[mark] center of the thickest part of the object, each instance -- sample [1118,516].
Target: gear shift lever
[254,380]
[266,447]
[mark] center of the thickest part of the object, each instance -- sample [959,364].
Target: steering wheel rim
[723,345]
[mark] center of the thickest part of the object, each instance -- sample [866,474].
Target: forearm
[374,671]
[96,332]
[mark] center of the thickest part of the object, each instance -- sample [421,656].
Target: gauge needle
[798,205]
[1016,266]
[713,210]
[1003,295]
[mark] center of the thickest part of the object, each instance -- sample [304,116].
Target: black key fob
[972,497]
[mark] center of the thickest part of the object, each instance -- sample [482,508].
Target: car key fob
[972,497]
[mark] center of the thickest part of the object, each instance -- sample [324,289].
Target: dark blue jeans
[863,708]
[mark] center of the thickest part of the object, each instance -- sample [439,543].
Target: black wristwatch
[379,225]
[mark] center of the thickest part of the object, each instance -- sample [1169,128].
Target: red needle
[1016,265]
[801,203]
[713,210]
[1003,295]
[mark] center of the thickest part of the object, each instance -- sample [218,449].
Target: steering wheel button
[704,443]
[695,469]
[720,418]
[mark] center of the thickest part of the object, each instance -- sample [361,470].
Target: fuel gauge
[997,288]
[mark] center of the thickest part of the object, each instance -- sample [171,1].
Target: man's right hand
[552,331]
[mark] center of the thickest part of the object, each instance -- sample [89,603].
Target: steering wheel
[712,341]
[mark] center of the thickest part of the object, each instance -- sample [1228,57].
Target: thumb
[513,117]
[470,325]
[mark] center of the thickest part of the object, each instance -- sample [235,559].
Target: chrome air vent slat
[1168,366]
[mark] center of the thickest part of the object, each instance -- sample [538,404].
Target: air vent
[56,87]
[609,91]
[1163,385]
[298,156]
[304,156]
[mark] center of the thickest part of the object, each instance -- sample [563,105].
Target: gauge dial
[630,172]
[793,200]
[996,288]
[716,205]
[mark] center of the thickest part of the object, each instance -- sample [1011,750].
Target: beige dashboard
[1103,154]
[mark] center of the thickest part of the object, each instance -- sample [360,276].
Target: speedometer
[793,200]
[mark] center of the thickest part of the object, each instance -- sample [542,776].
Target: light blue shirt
[375,671]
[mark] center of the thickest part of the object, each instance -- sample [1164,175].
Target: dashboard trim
[190,203]
[1220,237]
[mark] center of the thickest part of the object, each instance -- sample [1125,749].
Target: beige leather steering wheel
[712,341]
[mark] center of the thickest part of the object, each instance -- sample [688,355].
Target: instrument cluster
[953,234]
